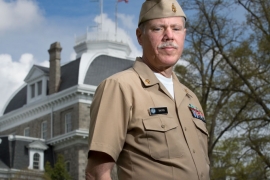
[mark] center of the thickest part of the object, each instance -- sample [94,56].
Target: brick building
[49,114]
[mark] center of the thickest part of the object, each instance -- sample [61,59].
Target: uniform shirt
[167,82]
[168,146]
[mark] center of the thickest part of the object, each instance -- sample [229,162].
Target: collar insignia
[173,8]
[147,81]
[196,113]
[188,94]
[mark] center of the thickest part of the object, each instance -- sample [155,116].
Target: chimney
[55,67]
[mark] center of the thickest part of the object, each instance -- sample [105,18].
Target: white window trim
[32,90]
[37,147]
[37,161]
[66,130]
[27,128]
[43,81]
[42,130]
[41,159]
[37,88]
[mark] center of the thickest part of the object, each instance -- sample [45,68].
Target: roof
[101,67]
[37,145]
[69,74]
[18,101]
[104,66]
[69,78]
[14,153]
[3,165]
[44,69]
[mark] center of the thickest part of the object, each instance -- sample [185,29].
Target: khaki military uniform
[170,146]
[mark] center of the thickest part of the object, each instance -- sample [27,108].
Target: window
[44,130]
[39,88]
[32,87]
[27,132]
[68,122]
[36,161]
[68,166]
[36,151]
[35,89]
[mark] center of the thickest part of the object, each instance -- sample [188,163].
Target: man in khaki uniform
[143,119]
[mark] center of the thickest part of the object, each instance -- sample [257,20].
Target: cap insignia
[173,8]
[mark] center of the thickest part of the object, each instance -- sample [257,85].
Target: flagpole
[116,19]
[101,12]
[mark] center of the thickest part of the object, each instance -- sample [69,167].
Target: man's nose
[168,35]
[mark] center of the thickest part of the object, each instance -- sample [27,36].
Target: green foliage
[58,172]
[234,159]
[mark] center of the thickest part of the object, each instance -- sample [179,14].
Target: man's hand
[99,166]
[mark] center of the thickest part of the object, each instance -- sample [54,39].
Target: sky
[28,27]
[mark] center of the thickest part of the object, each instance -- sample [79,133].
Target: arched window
[36,161]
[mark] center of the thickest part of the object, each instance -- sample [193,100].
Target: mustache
[167,44]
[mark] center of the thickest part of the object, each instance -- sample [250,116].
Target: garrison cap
[155,9]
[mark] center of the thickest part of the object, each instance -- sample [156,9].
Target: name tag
[158,110]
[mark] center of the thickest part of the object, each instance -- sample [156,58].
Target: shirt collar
[145,73]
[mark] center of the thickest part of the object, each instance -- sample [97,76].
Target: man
[143,119]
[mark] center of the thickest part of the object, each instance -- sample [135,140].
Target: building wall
[84,116]
[80,118]
[34,125]
[59,119]
[80,113]
[82,161]
[77,156]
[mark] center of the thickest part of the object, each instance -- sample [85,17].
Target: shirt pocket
[163,137]
[203,136]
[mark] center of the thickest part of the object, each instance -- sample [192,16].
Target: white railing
[101,36]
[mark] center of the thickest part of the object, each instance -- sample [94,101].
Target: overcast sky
[28,27]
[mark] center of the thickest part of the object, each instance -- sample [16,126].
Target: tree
[58,172]
[228,68]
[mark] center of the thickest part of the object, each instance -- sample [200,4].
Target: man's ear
[139,35]
[185,30]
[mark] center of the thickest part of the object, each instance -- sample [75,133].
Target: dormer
[37,80]
[36,155]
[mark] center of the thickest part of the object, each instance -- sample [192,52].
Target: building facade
[50,113]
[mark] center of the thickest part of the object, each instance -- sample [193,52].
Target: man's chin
[170,60]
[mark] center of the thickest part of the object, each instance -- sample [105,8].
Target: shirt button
[185,129]
[163,126]
[193,151]
[201,175]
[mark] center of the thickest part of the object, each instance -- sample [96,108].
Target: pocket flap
[201,125]
[162,124]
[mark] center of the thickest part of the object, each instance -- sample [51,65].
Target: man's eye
[157,29]
[177,29]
